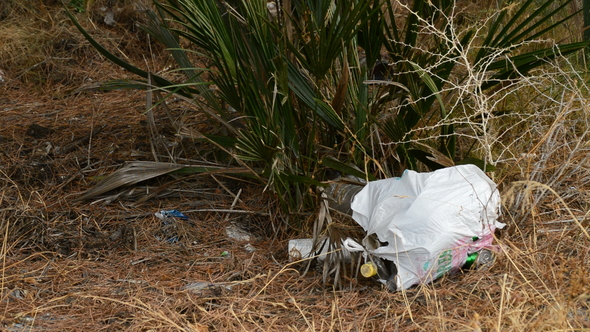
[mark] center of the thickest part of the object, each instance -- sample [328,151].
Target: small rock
[249,248]
[18,294]
[237,233]
[116,234]
[198,286]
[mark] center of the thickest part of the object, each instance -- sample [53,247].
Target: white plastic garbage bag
[427,223]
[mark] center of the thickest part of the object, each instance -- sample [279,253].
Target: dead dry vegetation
[112,265]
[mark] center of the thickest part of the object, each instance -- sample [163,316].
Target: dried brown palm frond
[137,171]
[332,231]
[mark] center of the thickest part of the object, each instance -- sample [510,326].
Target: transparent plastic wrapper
[427,224]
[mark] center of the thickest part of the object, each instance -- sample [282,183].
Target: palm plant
[296,81]
[290,93]
[433,56]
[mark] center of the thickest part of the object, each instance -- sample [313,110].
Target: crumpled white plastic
[428,223]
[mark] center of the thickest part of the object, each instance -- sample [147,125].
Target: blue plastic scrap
[173,239]
[165,214]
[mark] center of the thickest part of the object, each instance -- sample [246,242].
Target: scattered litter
[302,248]
[225,254]
[198,286]
[423,225]
[169,226]
[109,18]
[167,214]
[480,260]
[18,294]
[299,249]
[235,232]
[28,323]
[381,270]
[173,239]
[249,248]
[341,192]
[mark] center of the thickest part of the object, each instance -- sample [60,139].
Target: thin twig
[237,197]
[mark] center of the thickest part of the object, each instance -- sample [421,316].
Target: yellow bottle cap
[368,269]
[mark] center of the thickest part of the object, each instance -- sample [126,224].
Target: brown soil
[113,266]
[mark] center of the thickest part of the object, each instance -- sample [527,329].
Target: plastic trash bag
[427,223]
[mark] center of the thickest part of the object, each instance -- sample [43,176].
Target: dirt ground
[112,265]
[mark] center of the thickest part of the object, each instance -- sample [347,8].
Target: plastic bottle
[340,195]
[383,271]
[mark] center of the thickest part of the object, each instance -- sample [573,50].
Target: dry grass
[39,47]
[534,286]
[108,267]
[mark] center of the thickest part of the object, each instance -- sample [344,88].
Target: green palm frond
[305,96]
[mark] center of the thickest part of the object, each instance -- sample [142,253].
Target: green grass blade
[520,32]
[505,30]
[427,79]
[331,162]
[302,89]
[116,60]
[485,49]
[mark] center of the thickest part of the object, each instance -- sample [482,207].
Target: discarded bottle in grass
[440,205]
[341,194]
[383,271]
[482,258]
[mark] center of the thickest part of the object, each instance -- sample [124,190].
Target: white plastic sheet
[428,223]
